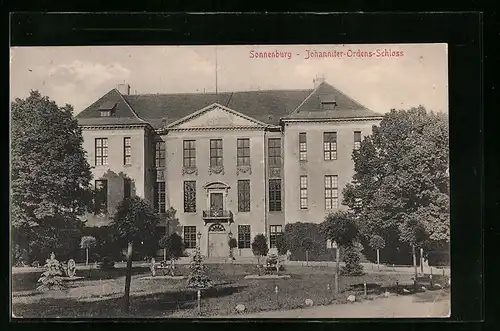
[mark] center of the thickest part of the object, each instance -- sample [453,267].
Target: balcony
[218,215]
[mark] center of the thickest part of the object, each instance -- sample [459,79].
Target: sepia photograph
[233,182]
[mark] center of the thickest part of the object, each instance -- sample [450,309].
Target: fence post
[276,291]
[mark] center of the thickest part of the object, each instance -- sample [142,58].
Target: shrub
[233,243]
[295,233]
[51,279]
[352,262]
[281,245]
[198,278]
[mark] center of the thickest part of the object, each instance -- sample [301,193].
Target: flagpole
[216,69]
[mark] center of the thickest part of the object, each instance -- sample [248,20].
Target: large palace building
[232,163]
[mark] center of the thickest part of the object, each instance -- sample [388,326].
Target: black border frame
[462,31]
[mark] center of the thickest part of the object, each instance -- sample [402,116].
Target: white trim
[211,107]
[114,126]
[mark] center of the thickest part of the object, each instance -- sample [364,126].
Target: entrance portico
[217,219]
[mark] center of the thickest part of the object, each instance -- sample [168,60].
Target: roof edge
[129,106]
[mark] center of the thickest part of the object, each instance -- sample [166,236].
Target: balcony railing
[218,214]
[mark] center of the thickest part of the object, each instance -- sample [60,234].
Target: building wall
[175,180]
[316,167]
[115,171]
[143,175]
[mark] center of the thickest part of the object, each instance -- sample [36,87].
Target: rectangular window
[215,152]
[243,236]
[274,151]
[190,196]
[101,151]
[127,188]
[105,113]
[330,145]
[243,152]
[357,140]
[160,154]
[127,151]
[275,195]
[190,237]
[303,192]
[302,147]
[331,192]
[101,197]
[160,197]
[274,232]
[243,195]
[189,153]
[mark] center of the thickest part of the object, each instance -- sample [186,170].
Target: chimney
[317,81]
[124,89]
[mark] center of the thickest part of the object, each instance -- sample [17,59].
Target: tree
[173,246]
[259,246]
[198,278]
[401,183]
[378,243]
[50,175]
[135,221]
[51,279]
[340,227]
[86,243]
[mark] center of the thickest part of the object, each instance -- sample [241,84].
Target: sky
[415,74]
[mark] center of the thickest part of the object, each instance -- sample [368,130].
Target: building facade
[231,164]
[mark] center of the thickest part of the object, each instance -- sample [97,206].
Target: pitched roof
[268,106]
[123,113]
[265,106]
[346,107]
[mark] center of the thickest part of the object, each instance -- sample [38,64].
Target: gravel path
[436,304]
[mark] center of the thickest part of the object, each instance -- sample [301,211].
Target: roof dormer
[328,102]
[107,109]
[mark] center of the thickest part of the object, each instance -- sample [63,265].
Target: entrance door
[216,202]
[217,241]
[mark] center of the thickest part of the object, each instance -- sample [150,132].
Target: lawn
[100,293]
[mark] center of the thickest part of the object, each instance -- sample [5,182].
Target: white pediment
[216,116]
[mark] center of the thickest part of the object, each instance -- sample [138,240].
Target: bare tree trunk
[337,269]
[414,265]
[378,259]
[87,256]
[164,254]
[128,277]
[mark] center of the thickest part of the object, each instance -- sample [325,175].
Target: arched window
[216,228]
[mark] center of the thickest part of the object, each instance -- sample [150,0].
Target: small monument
[240,308]
[70,271]
[71,268]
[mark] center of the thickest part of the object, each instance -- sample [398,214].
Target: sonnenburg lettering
[270,55]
